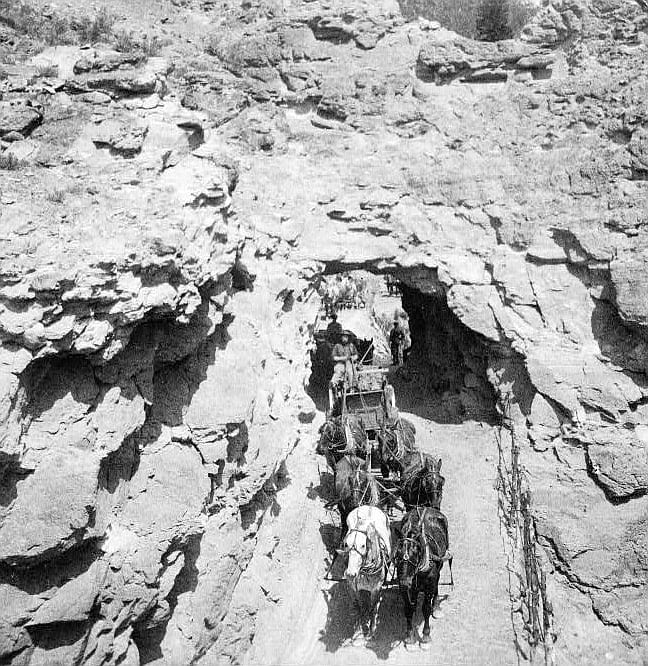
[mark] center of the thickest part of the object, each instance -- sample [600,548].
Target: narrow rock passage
[310,624]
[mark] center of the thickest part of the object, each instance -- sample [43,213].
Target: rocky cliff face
[159,245]
[150,381]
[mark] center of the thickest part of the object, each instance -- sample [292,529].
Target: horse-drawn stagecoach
[365,406]
[377,467]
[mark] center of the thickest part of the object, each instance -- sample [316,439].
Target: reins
[418,478]
[355,489]
[396,452]
[370,569]
[423,564]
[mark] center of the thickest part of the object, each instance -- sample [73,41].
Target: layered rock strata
[160,243]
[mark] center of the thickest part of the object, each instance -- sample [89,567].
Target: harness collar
[424,564]
[365,568]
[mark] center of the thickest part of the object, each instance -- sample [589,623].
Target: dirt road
[308,619]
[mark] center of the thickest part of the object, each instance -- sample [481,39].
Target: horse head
[322,448]
[356,544]
[432,483]
[332,438]
[409,554]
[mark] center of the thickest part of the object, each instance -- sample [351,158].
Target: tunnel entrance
[443,376]
[448,362]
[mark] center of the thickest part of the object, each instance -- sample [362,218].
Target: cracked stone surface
[149,395]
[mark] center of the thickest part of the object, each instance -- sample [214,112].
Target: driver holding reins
[345,356]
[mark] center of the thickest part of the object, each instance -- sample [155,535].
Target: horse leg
[427,609]
[429,600]
[436,611]
[356,615]
[365,613]
[410,637]
[343,520]
[359,626]
[374,604]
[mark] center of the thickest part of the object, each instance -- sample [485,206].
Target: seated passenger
[344,357]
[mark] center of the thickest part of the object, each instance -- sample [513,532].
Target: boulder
[619,461]
[54,508]
[121,138]
[167,495]
[18,117]
[463,299]
[199,182]
[25,152]
[544,425]
[73,602]
[62,57]
[447,56]
[629,272]
[119,81]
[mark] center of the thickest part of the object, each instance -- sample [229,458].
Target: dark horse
[396,441]
[354,486]
[422,483]
[422,549]
[333,443]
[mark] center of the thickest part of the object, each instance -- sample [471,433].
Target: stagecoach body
[365,406]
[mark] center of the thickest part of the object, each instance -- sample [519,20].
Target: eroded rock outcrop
[158,252]
[144,390]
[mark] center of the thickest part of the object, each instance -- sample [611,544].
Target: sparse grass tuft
[9,162]
[127,42]
[51,28]
[96,29]
[46,72]
[151,45]
[57,195]
[32,22]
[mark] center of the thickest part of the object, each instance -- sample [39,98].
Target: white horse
[368,544]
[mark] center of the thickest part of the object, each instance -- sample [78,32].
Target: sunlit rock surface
[158,247]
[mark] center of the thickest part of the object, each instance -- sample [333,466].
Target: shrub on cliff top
[9,162]
[96,28]
[51,28]
[488,20]
[493,20]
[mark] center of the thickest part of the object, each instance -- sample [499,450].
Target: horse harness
[357,486]
[369,569]
[424,564]
[396,452]
[419,477]
[337,438]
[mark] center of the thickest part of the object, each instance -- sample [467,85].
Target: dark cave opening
[448,361]
[445,375]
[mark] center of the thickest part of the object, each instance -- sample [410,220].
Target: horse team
[416,547]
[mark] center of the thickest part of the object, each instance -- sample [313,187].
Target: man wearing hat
[334,330]
[396,342]
[344,356]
